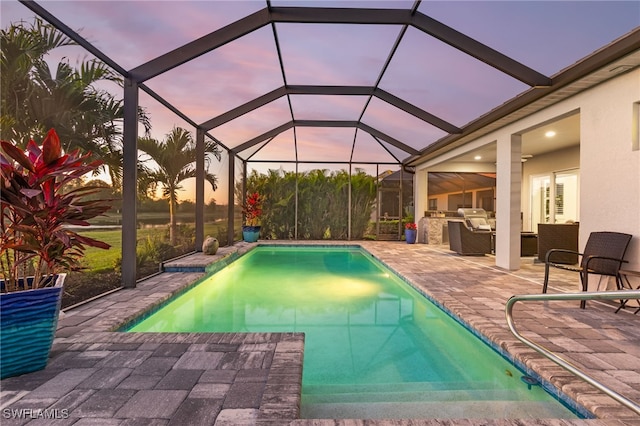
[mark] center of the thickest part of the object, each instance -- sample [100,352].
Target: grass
[100,260]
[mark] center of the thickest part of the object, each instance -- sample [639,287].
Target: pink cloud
[544,35]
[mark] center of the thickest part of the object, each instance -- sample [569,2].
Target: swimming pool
[374,347]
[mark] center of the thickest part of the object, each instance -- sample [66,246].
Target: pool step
[425,400]
[409,396]
[479,409]
[400,387]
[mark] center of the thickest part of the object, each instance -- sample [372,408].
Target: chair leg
[546,278]
[620,286]
[584,279]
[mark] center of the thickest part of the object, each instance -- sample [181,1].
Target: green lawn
[100,260]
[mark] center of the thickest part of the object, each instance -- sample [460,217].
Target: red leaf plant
[411,226]
[37,206]
[252,209]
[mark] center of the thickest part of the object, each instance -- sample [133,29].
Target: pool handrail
[597,295]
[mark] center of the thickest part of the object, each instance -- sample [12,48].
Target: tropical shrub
[38,200]
[323,203]
[363,198]
[252,209]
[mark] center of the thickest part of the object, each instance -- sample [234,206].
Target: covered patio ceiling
[327,82]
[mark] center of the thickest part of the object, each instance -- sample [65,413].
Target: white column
[509,178]
[420,200]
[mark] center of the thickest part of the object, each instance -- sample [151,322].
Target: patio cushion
[478,224]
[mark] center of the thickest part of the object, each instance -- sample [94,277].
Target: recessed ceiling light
[550,134]
[477,157]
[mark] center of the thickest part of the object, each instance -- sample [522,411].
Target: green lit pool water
[374,347]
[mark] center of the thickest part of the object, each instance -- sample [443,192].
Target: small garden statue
[210,245]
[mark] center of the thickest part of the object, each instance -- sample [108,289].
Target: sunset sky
[544,35]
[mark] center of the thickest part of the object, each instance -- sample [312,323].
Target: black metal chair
[603,255]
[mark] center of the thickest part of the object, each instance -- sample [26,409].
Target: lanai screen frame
[135,78]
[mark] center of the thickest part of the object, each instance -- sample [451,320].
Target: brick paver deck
[97,376]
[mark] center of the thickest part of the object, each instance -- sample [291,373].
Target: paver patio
[100,377]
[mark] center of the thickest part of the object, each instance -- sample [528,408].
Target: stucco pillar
[508,202]
[420,201]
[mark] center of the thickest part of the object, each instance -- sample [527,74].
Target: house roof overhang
[622,55]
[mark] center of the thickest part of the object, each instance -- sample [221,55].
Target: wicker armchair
[466,242]
[603,255]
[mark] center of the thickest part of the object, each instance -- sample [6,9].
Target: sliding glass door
[555,198]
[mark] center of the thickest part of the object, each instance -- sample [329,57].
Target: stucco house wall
[609,161]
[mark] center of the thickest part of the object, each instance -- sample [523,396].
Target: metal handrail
[598,295]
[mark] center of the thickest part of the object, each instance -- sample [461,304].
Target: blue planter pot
[28,321]
[410,235]
[250,234]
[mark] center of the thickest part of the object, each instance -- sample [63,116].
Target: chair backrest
[558,236]
[466,242]
[609,244]
[476,219]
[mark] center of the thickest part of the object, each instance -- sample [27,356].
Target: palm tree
[35,99]
[175,158]
[23,49]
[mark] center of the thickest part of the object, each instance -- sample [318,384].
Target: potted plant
[410,232]
[37,204]
[252,211]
